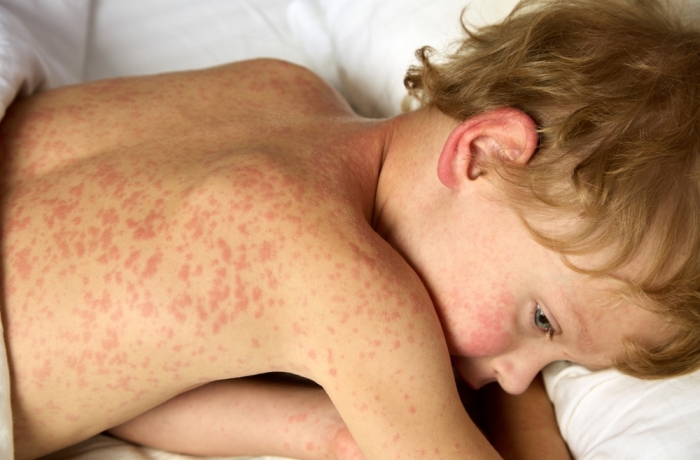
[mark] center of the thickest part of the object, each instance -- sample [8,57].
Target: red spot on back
[111,341]
[225,250]
[241,298]
[147,309]
[152,265]
[108,216]
[132,259]
[184,273]
[267,252]
[179,306]
[132,201]
[220,321]
[219,290]
[147,229]
[257,293]
[80,248]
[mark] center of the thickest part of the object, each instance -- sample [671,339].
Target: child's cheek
[489,329]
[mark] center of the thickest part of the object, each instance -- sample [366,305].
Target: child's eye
[542,322]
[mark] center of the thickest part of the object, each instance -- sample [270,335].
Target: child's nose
[515,373]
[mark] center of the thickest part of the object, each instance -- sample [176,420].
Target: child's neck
[409,164]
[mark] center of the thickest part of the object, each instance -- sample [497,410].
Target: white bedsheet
[106,448]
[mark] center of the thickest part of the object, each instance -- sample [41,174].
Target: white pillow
[608,415]
[21,70]
[41,45]
[370,44]
[54,31]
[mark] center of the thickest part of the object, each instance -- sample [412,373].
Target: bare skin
[165,232]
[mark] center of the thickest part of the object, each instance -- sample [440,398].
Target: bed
[362,47]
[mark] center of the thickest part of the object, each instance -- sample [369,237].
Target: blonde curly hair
[614,88]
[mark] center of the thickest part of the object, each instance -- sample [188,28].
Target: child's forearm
[246,417]
[523,427]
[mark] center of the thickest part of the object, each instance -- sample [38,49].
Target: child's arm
[524,426]
[246,417]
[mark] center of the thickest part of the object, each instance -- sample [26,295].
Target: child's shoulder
[283,84]
[358,302]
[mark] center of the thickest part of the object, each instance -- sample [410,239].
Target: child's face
[498,293]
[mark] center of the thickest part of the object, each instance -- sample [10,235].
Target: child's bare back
[165,232]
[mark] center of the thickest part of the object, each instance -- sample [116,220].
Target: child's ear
[504,134]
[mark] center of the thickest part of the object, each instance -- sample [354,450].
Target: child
[165,232]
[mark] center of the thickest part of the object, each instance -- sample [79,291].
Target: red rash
[487,330]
